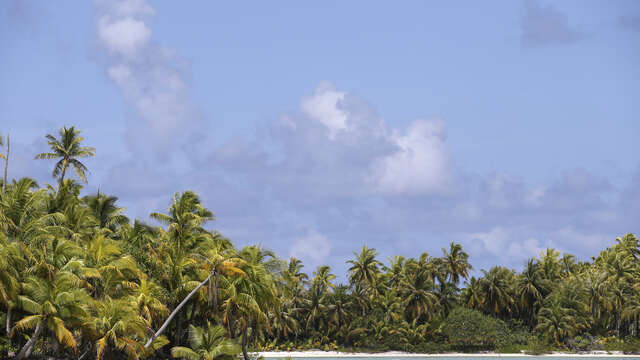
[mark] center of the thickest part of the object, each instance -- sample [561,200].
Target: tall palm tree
[67,148]
[530,290]
[322,279]
[496,288]
[221,262]
[12,265]
[5,157]
[455,262]
[207,344]
[419,297]
[365,268]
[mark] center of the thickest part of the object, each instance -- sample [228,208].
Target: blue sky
[314,128]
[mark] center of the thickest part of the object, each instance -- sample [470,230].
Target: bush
[538,346]
[470,330]
[631,345]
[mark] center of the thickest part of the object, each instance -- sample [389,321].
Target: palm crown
[67,149]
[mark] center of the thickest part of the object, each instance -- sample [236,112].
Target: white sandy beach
[395,354]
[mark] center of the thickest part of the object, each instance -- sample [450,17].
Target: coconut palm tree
[56,305]
[116,328]
[67,148]
[419,297]
[12,265]
[322,279]
[496,288]
[5,157]
[472,296]
[530,290]
[557,322]
[105,210]
[207,344]
[455,262]
[365,268]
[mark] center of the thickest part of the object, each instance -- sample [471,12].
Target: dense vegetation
[78,279]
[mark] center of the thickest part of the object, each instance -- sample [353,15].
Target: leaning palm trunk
[175,312]
[244,342]
[6,165]
[8,324]
[26,350]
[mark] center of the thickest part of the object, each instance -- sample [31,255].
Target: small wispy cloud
[150,77]
[630,22]
[545,26]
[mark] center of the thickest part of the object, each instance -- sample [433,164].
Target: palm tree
[55,305]
[419,298]
[5,157]
[250,297]
[496,289]
[12,264]
[530,290]
[550,264]
[207,344]
[67,149]
[104,209]
[395,274]
[147,299]
[322,279]
[116,324]
[365,268]
[557,322]
[456,263]
[472,296]
[220,262]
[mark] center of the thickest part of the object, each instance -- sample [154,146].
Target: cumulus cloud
[546,25]
[420,165]
[395,189]
[326,106]
[151,78]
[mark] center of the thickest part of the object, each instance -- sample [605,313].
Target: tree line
[80,280]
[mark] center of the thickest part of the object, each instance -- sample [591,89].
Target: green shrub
[538,346]
[470,330]
[631,345]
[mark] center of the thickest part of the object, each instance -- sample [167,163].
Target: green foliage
[538,346]
[470,330]
[77,276]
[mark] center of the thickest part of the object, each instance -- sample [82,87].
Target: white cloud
[150,77]
[420,165]
[126,36]
[313,247]
[325,107]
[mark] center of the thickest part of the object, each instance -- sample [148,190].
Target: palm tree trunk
[26,350]
[175,311]
[215,295]
[8,324]
[244,342]
[6,166]
[64,170]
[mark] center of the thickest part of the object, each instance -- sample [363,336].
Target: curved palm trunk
[244,343]
[8,324]
[175,311]
[26,350]
[6,165]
